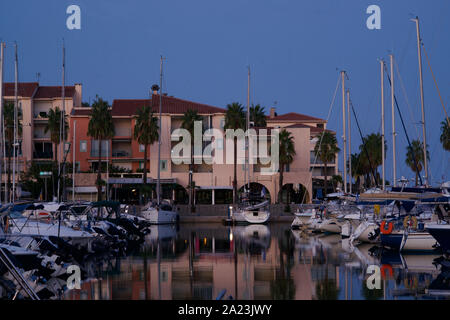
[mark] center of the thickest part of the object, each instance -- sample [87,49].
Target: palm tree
[145,132]
[357,168]
[445,135]
[325,150]
[372,146]
[257,116]
[414,156]
[234,119]
[54,126]
[101,127]
[286,154]
[188,120]
[8,123]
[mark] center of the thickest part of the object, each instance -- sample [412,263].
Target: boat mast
[419,54]
[349,142]
[247,151]
[394,162]
[382,125]
[1,116]
[344,131]
[16,105]
[158,182]
[73,161]
[61,129]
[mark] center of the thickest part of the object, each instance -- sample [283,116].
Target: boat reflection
[209,261]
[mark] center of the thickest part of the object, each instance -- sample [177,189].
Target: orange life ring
[389,229]
[387,267]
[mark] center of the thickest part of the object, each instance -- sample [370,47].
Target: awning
[85,189]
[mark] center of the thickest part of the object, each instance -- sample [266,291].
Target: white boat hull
[155,216]
[418,241]
[247,216]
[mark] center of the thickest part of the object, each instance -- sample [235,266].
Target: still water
[204,261]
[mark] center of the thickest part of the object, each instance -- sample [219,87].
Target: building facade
[122,157]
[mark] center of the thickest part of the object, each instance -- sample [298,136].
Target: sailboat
[253,206]
[160,212]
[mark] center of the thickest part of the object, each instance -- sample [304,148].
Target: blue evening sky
[295,50]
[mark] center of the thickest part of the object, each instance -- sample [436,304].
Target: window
[222,124]
[163,165]
[95,148]
[141,164]
[141,148]
[83,145]
[77,166]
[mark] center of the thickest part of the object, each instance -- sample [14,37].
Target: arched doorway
[256,188]
[294,193]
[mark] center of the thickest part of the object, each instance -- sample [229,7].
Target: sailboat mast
[1,116]
[382,126]
[349,143]
[344,131]
[247,160]
[61,128]
[158,183]
[16,105]
[394,161]
[419,54]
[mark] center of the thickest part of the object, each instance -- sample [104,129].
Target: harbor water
[258,262]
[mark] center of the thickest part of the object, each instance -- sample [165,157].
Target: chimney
[78,97]
[272,112]
[155,89]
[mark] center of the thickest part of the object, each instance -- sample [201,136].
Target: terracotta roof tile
[25,89]
[293,116]
[179,106]
[128,107]
[47,92]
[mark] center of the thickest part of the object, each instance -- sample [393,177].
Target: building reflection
[253,262]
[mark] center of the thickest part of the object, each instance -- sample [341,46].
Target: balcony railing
[120,154]
[43,155]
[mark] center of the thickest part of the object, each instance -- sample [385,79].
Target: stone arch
[256,187]
[294,193]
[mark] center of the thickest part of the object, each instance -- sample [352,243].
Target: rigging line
[435,83]
[321,137]
[404,128]
[364,144]
[406,99]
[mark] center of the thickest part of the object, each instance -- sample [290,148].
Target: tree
[54,126]
[8,122]
[257,116]
[325,150]
[415,152]
[445,135]
[188,120]
[371,146]
[357,169]
[335,180]
[286,154]
[101,127]
[234,119]
[145,132]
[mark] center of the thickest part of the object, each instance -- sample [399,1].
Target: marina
[220,153]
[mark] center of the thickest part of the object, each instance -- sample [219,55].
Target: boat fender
[410,221]
[387,267]
[383,227]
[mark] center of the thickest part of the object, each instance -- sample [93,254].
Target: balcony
[120,154]
[43,155]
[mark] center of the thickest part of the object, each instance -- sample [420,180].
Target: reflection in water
[204,261]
